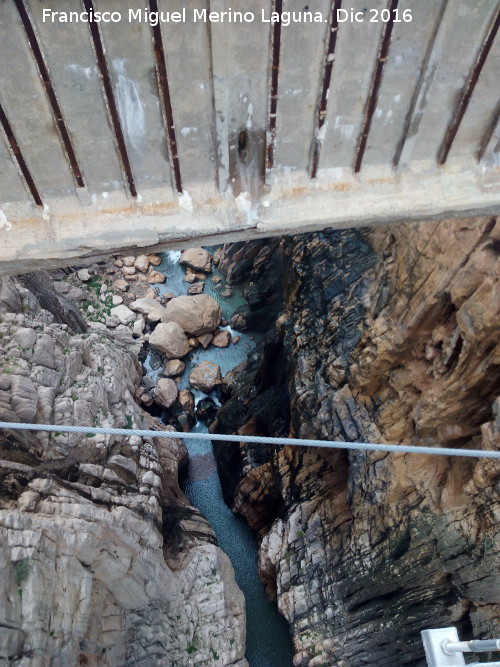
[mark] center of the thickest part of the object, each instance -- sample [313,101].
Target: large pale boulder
[197,258]
[196,315]
[169,338]
[166,392]
[142,263]
[148,307]
[124,314]
[205,376]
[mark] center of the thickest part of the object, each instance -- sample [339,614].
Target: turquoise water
[268,638]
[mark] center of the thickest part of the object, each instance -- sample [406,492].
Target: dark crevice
[466,94]
[161,72]
[110,98]
[16,151]
[327,77]
[273,92]
[385,44]
[56,109]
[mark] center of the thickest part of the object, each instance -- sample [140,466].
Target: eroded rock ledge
[103,560]
[386,336]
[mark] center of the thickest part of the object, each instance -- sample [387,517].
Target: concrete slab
[27,108]
[452,59]
[481,109]
[187,50]
[300,80]
[218,75]
[356,54]
[73,70]
[338,200]
[409,43]
[12,187]
[130,57]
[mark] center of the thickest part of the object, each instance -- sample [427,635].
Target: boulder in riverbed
[166,392]
[222,339]
[196,288]
[186,401]
[198,259]
[147,306]
[142,263]
[174,367]
[169,338]
[205,376]
[205,340]
[196,315]
[156,277]
[154,260]
[124,314]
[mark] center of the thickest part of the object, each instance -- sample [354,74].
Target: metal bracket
[443,648]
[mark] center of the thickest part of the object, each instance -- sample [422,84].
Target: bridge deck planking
[491,157]
[451,61]
[26,105]
[75,77]
[409,42]
[480,112]
[131,64]
[240,62]
[12,187]
[187,50]
[302,59]
[355,61]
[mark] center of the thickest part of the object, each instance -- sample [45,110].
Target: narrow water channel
[268,638]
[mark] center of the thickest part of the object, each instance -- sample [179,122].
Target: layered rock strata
[102,559]
[389,335]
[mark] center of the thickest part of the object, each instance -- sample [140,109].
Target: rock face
[198,259]
[205,376]
[258,266]
[199,314]
[103,560]
[170,339]
[387,336]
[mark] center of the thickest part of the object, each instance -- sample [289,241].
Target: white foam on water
[198,396]
[174,256]
[231,330]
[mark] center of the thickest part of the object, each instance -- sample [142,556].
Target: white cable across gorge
[256,439]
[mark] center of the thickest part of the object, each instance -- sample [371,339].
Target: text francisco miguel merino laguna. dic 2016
[142,15]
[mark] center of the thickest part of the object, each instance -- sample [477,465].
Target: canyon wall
[386,335]
[102,559]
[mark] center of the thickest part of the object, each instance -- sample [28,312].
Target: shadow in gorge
[268,639]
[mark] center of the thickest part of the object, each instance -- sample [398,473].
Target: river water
[268,638]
